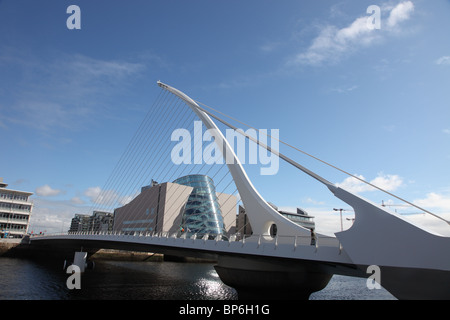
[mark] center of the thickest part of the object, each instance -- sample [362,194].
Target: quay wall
[7,244]
[22,248]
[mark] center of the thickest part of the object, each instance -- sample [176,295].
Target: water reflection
[153,281]
[23,279]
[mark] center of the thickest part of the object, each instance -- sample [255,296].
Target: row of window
[193,178]
[13,196]
[15,206]
[6,215]
[298,218]
[12,227]
[138,221]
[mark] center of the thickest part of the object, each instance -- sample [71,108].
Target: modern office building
[98,221]
[156,209]
[102,221]
[80,223]
[189,205]
[300,217]
[15,211]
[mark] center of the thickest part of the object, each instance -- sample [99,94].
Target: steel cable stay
[290,161]
[115,190]
[134,163]
[117,176]
[144,158]
[157,152]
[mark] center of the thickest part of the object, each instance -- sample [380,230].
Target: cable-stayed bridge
[280,257]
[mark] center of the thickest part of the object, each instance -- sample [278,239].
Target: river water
[23,279]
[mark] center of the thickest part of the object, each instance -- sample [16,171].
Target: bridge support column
[79,259]
[265,278]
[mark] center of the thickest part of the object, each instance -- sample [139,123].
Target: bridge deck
[326,249]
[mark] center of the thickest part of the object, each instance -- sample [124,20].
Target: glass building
[202,214]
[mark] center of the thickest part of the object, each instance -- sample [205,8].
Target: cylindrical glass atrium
[202,214]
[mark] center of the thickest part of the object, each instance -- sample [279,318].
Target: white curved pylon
[261,215]
[378,235]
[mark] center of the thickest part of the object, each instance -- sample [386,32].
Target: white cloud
[436,201]
[47,191]
[51,216]
[400,13]
[332,42]
[446,131]
[77,200]
[328,222]
[438,204]
[444,60]
[93,193]
[430,223]
[387,182]
[108,198]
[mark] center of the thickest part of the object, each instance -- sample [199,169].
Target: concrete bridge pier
[80,260]
[264,278]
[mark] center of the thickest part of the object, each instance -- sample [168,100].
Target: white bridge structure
[414,263]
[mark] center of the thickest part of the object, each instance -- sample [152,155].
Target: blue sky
[373,102]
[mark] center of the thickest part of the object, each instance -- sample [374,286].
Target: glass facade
[202,214]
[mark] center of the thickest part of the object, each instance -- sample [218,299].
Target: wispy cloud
[444,60]
[333,43]
[91,68]
[77,200]
[47,191]
[61,93]
[344,89]
[270,46]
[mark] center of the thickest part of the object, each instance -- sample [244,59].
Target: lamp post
[340,212]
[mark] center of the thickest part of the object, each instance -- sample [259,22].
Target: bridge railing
[260,240]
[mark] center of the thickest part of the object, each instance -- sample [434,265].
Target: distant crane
[399,205]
